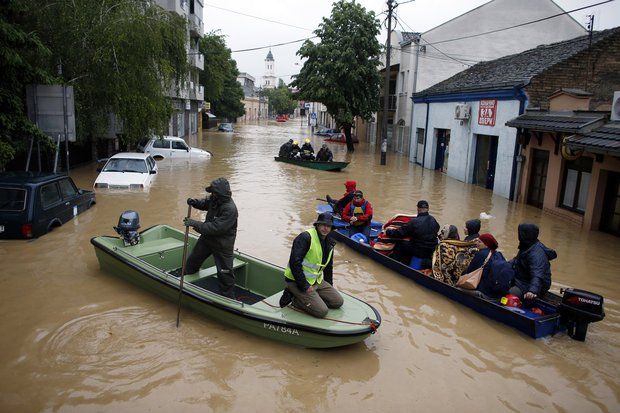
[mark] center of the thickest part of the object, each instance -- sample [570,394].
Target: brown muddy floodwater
[74,338]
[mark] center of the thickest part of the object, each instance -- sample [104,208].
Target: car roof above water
[28,178]
[130,155]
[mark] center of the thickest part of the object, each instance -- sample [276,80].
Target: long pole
[189,214]
[386,85]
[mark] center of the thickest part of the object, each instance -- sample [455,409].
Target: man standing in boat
[217,234]
[309,272]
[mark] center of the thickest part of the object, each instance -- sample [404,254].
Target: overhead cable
[257,17]
[273,45]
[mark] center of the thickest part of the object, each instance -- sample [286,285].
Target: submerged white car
[127,170]
[171,147]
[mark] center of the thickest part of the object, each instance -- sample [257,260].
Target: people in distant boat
[423,231]
[324,154]
[358,213]
[285,149]
[452,256]
[339,204]
[472,229]
[532,264]
[497,273]
[449,232]
[217,234]
[307,151]
[295,150]
[309,272]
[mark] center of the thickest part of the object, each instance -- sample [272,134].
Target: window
[161,144]
[49,195]
[576,184]
[12,199]
[125,165]
[179,145]
[151,163]
[67,189]
[419,132]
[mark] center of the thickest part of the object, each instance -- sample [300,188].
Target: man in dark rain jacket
[531,265]
[423,232]
[309,273]
[286,149]
[217,234]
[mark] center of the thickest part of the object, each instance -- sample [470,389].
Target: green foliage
[341,71]
[20,52]
[280,100]
[121,56]
[220,78]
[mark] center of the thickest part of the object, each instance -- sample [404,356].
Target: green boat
[323,166]
[155,262]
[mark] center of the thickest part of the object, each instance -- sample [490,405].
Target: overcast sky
[232,18]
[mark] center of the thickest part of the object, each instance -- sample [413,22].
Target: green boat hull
[323,166]
[147,265]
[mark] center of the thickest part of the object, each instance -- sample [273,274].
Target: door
[485,161]
[610,217]
[52,207]
[443,137]
[538,178]
[180,149]
[70,196]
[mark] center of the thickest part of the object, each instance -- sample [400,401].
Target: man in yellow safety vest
[310,270]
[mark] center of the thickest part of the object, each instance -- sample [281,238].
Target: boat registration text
[281,329]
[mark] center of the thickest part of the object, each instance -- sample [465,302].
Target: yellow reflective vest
[313,261]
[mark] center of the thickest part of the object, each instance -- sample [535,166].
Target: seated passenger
[358,213]
[423,232]
[295,149]
[339,204]
[472,229]
[307,152]
[324,154]
[497,273]
[531,265]
[285,149]
[452,256]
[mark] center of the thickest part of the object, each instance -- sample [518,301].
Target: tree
[220,77]
[121,56]
[20,53]
[341,70]
[281,100]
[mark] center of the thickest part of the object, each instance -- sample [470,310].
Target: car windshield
[12,199]
[125,165]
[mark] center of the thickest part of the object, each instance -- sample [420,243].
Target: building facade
[256,106]
[188,97]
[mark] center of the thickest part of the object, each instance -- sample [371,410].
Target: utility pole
[386,84]
[590,27]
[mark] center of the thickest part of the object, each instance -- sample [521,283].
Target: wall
[463,141]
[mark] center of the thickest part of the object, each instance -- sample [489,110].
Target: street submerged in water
[76,338]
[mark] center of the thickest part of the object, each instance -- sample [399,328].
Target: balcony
[196,27]
[200,92]
[391,103]
[196,59]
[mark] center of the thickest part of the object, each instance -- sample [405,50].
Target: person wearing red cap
[497,273]
[358,213]
[347,197]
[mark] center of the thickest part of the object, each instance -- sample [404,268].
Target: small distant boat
[281,118]
[154,264]
[323,166]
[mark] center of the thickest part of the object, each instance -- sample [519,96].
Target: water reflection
[77,338]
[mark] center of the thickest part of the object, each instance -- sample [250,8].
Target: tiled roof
[408,37]
[605,139]
[568,122]
[514,70]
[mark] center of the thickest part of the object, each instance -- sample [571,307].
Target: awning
[603,140]
[554,122]
[210,115]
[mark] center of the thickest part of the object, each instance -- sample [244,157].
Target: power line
[273,45]
[522,24]
[257,17]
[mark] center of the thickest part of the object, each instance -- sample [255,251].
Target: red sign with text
[487,112]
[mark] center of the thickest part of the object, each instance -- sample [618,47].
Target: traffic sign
[307,105]
[313,115]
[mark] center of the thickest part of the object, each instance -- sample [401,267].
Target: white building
[430,57]
[189,98]
[270,81]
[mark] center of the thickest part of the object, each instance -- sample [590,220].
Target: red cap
[350,185]
[489,240]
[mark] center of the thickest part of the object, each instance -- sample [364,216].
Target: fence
[398,137]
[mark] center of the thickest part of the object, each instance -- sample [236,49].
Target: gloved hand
[188,222]
[192,201]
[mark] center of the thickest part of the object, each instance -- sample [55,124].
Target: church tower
[269,79]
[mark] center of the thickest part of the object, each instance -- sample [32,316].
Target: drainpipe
[517,160]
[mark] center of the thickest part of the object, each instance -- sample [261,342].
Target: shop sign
[487,112]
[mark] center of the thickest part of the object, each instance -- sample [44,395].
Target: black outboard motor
[580,308]
[128,225]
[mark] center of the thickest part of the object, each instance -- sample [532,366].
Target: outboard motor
[580,308]
[128,225]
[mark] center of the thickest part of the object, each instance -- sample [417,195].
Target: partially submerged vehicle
[154,263]
[171,147]
[127,170]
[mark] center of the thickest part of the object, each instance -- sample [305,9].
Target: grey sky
[243,32]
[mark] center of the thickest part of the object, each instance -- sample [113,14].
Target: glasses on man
[358,196]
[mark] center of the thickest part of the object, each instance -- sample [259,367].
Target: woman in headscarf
[531,265]
[452,256]
[497,273]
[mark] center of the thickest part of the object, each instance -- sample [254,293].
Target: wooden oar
[189,214]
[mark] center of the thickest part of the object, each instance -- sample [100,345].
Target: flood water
[75,338]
